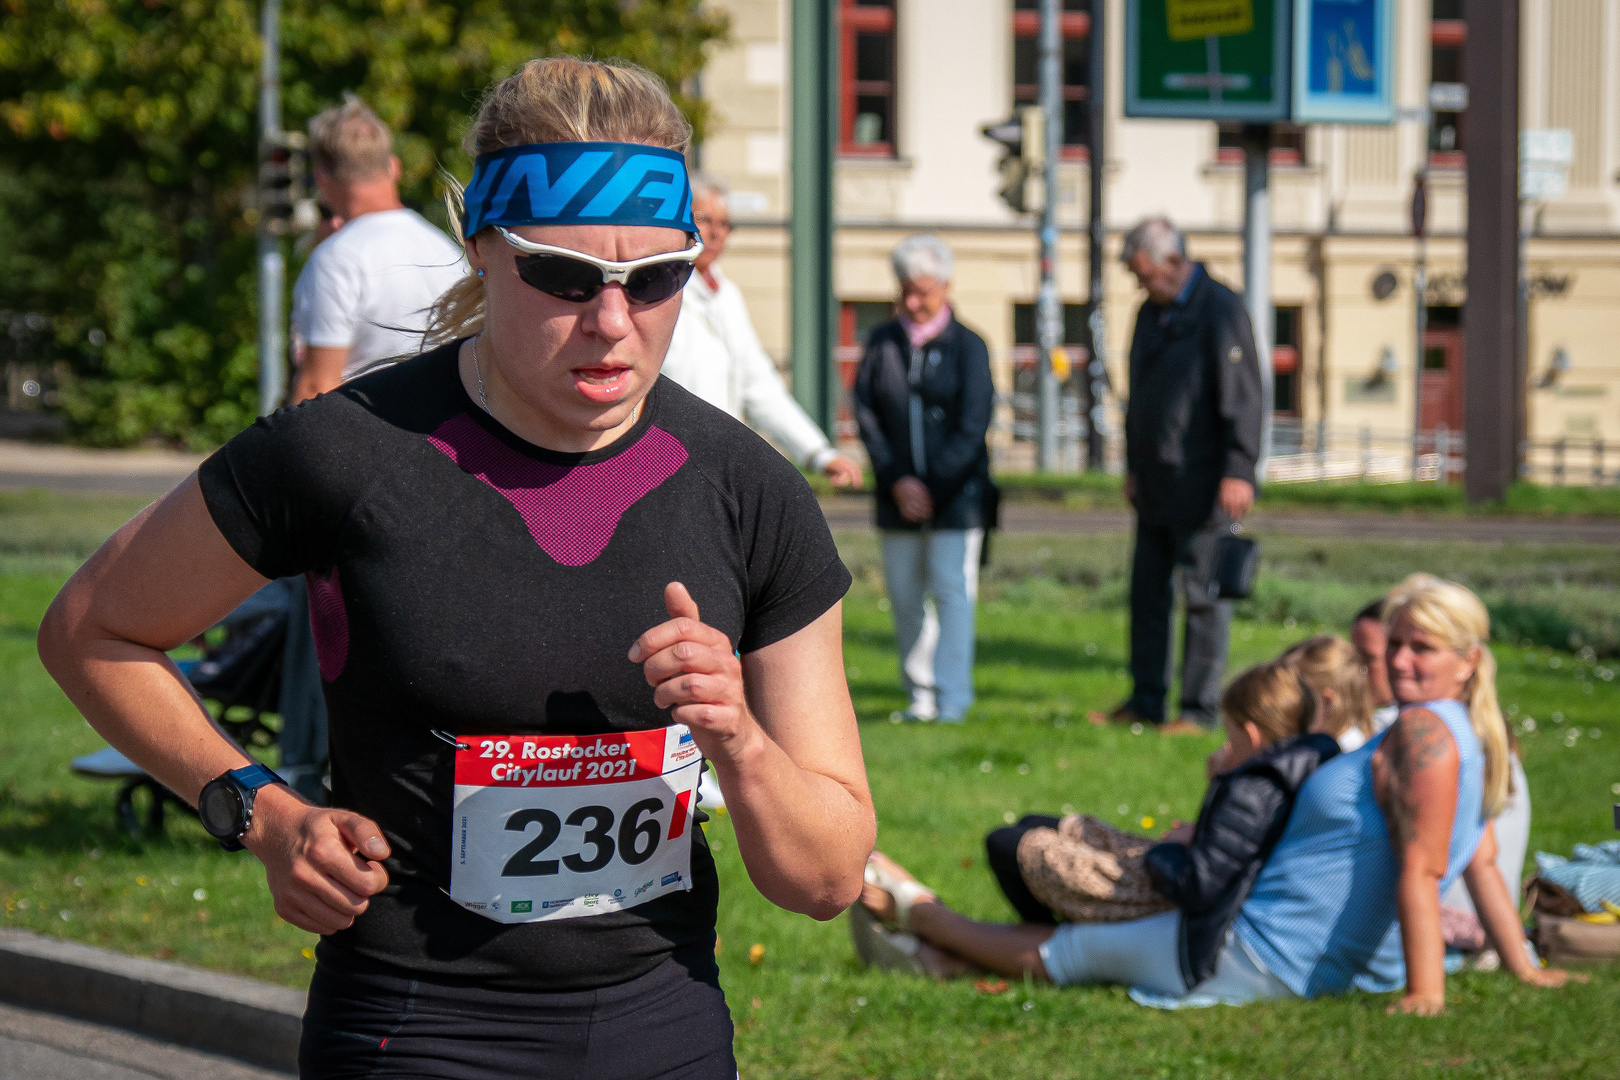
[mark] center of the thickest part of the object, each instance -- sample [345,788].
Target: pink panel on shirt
[329,622]
[571,511]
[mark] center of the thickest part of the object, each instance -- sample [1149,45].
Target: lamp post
[272,269]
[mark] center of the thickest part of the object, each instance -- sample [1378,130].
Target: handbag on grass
[1237,561]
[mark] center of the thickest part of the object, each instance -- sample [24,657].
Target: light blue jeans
[1141,954]
[933,581]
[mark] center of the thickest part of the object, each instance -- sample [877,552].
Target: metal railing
[1566,461]
[1302,451]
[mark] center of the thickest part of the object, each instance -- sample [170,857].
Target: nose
[607,316]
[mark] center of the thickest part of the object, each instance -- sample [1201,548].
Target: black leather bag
[1237,561]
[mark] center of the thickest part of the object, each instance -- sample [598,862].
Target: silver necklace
[479,375]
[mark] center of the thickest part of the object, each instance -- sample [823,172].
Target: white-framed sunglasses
[577,277]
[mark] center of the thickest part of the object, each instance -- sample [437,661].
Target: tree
[128,152]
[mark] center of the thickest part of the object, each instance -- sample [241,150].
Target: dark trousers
[1160,550]
[1001,848]
[364,1021]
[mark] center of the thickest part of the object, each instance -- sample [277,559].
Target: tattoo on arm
[1418,741]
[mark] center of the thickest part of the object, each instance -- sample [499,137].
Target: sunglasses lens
[660,281]
[559,276]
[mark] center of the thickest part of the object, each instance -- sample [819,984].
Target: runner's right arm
[162,579]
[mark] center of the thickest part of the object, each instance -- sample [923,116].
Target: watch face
[220,809]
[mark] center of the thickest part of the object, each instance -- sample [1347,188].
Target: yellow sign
[1193,19]
[1060,363]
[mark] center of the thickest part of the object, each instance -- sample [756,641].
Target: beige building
[922,76]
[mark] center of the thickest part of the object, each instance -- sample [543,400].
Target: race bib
[565,826]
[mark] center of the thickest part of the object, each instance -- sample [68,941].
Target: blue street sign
[1344,59]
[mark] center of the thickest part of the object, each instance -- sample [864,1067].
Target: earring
[480,273]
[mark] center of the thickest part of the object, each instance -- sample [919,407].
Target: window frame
[1286,156]
[1287,359]
[1073,26]
[855,19]
[1448,33]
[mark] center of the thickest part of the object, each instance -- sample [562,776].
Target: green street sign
[1208,59]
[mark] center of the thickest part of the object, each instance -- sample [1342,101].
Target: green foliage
[128,151]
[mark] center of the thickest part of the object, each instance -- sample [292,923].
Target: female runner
[540,576]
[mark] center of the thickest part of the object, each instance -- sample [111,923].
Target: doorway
[1442,405]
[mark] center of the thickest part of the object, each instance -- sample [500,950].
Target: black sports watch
[226,803]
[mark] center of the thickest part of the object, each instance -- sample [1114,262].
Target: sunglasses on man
[578,278]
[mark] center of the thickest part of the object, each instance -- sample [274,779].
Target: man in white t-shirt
[716,353]
[365,293]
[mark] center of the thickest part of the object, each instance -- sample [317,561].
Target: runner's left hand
[696,674]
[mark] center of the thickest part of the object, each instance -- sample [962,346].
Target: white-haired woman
[923,398]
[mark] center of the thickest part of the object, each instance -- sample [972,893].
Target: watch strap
[255,776]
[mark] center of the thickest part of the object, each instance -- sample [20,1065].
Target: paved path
[853,512]
[41,1046]
[111,472]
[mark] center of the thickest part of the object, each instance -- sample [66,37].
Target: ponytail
[1485,713]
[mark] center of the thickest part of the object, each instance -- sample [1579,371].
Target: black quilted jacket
[1243,817]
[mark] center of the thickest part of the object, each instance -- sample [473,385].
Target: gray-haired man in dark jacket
[1192,438]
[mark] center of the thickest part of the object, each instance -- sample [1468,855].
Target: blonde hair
[555,99]
[1456,618]
[1328,662]
[349,142]
[1274,698]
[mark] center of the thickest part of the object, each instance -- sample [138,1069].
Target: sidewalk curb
[226,1014]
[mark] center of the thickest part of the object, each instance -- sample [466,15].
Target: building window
[1448,33]
[1076,331]
[1076,29]
[866,71]
[1285,350]
[1287,144]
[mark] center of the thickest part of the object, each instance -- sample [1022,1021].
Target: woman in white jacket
[716,353]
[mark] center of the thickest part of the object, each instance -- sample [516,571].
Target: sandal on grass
[905,891]
[888,950]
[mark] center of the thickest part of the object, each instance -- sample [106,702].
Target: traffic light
[284,183]
[1023,141]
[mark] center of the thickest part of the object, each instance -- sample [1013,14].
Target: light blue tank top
[1321,916]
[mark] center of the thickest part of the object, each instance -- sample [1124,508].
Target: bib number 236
[566,826]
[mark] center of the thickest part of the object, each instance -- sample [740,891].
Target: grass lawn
[1051,647]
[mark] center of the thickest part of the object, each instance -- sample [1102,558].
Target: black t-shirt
[464,580]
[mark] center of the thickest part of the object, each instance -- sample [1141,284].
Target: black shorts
[364,1020]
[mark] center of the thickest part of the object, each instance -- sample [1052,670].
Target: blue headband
[578,183]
